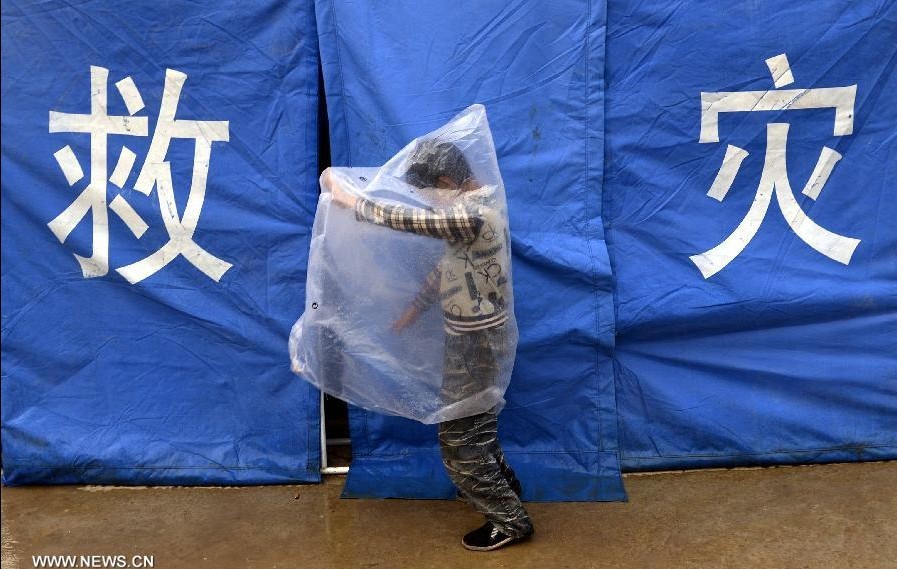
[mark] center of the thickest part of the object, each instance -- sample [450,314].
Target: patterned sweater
[472,278]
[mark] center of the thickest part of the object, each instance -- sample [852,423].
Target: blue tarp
[395,71]
[776,345]
[787,353]
[174,369]
[705,276]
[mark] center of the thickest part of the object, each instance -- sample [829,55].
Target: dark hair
[432,159]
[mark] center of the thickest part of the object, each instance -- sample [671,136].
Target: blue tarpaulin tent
[787,353]
[122,364]
[701,203]
[540,73]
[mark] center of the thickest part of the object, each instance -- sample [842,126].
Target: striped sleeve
[429,292]
[456,224]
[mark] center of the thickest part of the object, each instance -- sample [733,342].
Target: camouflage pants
[470,448]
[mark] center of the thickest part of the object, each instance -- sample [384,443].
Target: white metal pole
[323,437]
[325,469]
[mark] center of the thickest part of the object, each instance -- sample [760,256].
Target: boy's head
[438,164]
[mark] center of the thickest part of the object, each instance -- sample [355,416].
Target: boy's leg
[506,471]
[505,468]
[467,446]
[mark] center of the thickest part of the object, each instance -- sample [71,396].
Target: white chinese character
[154,173]
[774,178]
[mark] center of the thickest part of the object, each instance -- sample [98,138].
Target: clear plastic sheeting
[409,305]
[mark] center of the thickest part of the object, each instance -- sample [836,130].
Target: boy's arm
[456,224]
[428,294]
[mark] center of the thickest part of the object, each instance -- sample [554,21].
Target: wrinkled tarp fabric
[400,285]
[785,355]
[720,367]
[177,378]
[537,68]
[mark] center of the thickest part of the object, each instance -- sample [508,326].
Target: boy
[472,284]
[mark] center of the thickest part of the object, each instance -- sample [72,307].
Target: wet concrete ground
[834,516]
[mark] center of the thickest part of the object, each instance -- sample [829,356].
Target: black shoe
[488,537]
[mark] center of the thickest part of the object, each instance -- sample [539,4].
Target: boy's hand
[338,195]
[407,318]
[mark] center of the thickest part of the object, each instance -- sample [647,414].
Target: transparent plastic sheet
[409,305]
